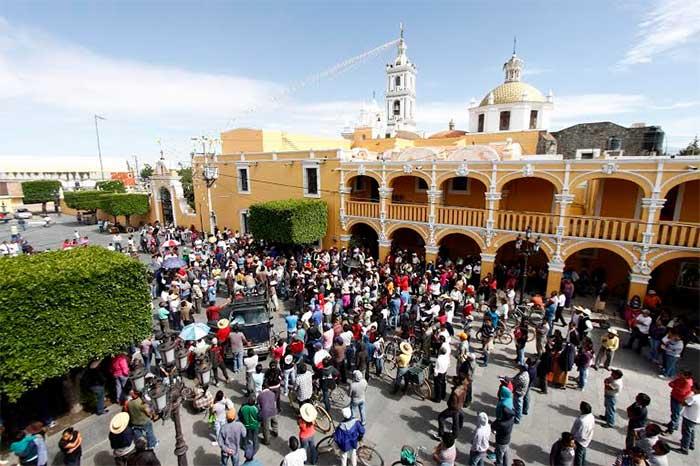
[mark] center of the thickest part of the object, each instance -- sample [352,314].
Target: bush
[124,204]
[84,200]
[111,186]
[294,221]
[60,310]
[40,192]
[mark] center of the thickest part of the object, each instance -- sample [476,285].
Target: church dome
[511,92]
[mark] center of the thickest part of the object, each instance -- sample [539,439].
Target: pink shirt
[120,368]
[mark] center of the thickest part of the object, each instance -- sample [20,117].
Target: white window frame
[305,166]
[243,215]
[458,192]
[580,152]
[239,182]
[418,189]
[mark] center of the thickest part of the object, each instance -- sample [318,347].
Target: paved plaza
[394,421]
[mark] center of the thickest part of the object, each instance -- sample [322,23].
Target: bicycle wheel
[531,334]
[505,338]
[423,391]
[324,421]
[368,456]
[326,446]
[390,352]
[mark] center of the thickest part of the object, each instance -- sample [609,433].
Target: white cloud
[586,105]
[40,69]
[670,24]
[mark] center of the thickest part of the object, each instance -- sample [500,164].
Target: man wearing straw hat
[121,438]
[403,363]
[307,430]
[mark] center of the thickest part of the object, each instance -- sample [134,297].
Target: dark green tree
[293,221]
[185,175]
[146,172]
[692,149]
[111,186]
[125,204]
[60,310]
[89,200]
[41,191]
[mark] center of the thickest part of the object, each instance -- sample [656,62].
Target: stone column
[487,264]
[638,285]
[384,249]
[555,271]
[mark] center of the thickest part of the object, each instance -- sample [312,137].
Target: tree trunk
[71,391]
[128,220]
[43,208]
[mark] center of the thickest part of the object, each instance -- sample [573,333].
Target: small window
[398,81]
[480,124]
[504,123]
[397,107]
[3,189]
[311,181]
[459,185]
[243,185]
[533,119]
[421,185]
[586,155]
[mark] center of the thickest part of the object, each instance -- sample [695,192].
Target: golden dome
[511,92]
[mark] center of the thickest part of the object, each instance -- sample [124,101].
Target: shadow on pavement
[531,454]
[202,458]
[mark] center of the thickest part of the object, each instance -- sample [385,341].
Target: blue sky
[170,71]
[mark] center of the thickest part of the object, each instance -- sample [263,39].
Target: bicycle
[528,312]
[409,456]
[324,422]
[502,334]
[367,455]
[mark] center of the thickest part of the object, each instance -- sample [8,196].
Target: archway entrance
[677,282]
[458,246]
[462,191]
[593,266]
[509,266]
[409,190]
[406,239]
[682,203]
[166,205]
[528,195]
[363,188]
[364,237]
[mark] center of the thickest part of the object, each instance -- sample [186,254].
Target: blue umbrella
[173,263]
[194,332]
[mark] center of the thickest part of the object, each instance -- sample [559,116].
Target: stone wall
[595,136]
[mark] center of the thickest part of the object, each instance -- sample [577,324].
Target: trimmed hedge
[59,310]
[40,191]
[125,204]
[111,186]
[294,221]
[84,200]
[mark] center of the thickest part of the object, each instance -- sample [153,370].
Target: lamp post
[99,149]
[210,173]
[168,399]
[526,247]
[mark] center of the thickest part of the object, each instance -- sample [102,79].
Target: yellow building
[459,193]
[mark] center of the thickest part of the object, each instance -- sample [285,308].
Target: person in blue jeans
[613,385]
[672,347]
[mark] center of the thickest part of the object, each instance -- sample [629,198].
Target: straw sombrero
[223,323]
[405,347]
[308,412]
[119,423]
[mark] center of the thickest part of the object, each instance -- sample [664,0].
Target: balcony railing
[605,228]
[408,212]
[613,229]
[448,215]
[362,209]
[519,221]
[679,234]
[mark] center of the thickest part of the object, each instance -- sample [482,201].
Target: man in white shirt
[297,456]
[582,430]
[640,331]
[691,418]
[442,364]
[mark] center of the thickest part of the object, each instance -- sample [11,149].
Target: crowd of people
[350,320]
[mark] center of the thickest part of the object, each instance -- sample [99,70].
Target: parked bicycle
[324,422]
[367,455]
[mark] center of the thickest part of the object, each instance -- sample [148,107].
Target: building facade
[593,140]
[458,193]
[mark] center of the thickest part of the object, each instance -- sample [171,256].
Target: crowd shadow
[201,429]
[566,410]
[531,454]
[103,458]
[202,458]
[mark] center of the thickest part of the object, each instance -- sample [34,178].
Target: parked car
[23,212]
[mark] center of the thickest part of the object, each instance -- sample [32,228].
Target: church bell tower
[401,92]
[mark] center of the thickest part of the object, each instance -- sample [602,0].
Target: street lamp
[203,372]
[167,401]
[526,248]
[138,377]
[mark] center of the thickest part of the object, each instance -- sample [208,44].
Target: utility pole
[137,175]
[99,149]
[210,173]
